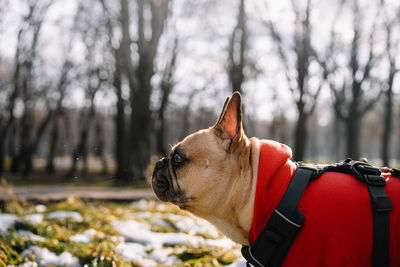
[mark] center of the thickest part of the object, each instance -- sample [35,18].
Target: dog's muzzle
[163,180]
[160,180]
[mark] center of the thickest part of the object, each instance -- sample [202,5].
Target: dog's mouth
[161,186]
[164,190]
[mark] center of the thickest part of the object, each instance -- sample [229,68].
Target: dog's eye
[178,158]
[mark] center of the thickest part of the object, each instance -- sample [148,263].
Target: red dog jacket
[338,226]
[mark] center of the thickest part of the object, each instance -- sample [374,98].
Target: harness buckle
[375,180]
[367,169]
[369,174]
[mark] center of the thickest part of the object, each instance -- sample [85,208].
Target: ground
[103,233]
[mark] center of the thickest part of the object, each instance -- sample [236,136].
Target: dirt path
[56,193]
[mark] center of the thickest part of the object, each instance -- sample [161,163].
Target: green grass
[101,251]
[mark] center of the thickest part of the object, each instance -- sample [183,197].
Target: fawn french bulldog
[237,183]
[212,173]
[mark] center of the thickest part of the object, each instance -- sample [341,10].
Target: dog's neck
[236,221]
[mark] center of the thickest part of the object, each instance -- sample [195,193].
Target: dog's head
[200,168]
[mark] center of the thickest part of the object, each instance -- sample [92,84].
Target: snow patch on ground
[134,231]
[45,257]
[135,252]
[26,264]
[164,256]
[6,220]
[30,235]
[65,214]
[40,208]
[85,237]
[35,218]
[221,243]
[193,225]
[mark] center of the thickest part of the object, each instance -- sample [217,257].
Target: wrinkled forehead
[198,142]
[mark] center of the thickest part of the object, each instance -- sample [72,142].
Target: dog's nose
[161,163]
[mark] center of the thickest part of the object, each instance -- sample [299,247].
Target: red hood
[337,230]
[275,170]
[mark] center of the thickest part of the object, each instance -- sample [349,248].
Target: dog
[215,174]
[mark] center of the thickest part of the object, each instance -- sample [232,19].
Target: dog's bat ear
[221,116]
[229,125]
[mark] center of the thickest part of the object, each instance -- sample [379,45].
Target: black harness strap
[380,203]
[285,223]
[272,245]
[381,206]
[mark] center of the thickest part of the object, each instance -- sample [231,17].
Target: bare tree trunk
[300,136]
[337,144]
[237,59]
[388,116]
[352,137]
[100,144]
[58,114]
[52,151]
[12,140]
[387,128]
[9,130]
[24,155]
[140,103]
[3,134]
[80,153]
[140,131]
[237,50]
[35,23]
[123,172]
[140,78]
[2,154]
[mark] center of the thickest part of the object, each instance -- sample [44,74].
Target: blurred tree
[350,82]
[151,16]
[24,87]
[237,50]
[126,47]
[166,86]
[86,119]
[302,50]
[122,159]
[137,66]
[92,79]
[99,146]
[57,114]
[392,51]
[3,111]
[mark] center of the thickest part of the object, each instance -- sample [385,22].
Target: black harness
[273,243]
